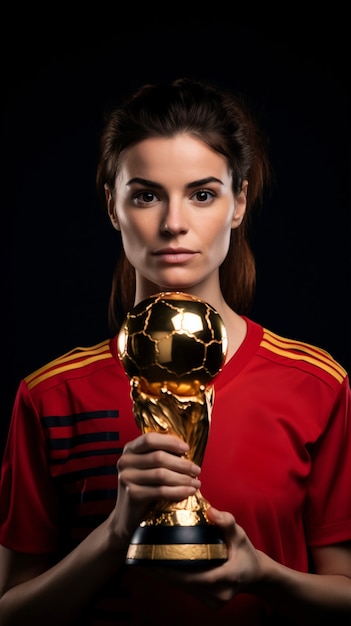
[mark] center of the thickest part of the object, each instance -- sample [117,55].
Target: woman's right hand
[153,466]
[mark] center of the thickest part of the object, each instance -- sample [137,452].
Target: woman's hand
[217,585]
[152,467]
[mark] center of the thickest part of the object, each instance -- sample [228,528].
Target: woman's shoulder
[302,355]
[78,362]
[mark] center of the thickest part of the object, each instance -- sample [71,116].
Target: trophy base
[177,546]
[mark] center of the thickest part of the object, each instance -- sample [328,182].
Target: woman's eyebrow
[144,181]
[204,181]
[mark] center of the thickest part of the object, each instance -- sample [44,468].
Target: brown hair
[224,122]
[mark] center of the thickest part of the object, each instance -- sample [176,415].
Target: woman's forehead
[180,153]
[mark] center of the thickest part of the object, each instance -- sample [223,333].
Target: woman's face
[174,205]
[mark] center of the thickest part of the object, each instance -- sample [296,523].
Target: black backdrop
[58,248]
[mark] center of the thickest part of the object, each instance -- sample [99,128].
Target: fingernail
[183,446]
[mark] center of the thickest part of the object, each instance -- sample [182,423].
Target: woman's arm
[309,599]
[33,592]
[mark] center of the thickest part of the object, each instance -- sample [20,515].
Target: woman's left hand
[216,586]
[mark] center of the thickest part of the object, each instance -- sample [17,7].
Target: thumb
[220,518]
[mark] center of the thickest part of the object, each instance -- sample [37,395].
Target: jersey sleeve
[28,498]
[328,509]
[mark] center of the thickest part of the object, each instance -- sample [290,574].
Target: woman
[181,168]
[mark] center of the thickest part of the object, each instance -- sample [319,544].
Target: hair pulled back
[221,120]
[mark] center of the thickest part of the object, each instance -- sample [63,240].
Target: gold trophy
[172,345]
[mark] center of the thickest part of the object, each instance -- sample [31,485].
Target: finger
[149,493]
[226,522]
[157,441]
[159,476]
[221,518]
[157,460]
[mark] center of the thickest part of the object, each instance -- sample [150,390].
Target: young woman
[181,168]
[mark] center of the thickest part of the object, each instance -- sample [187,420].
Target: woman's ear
[111,207]
[240,205]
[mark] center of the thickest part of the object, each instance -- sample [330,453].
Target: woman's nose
[175,219]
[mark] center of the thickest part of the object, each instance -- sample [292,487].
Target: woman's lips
[174,255]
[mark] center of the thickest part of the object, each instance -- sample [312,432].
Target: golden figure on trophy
[172,345]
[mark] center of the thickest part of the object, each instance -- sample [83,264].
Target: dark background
[58,247]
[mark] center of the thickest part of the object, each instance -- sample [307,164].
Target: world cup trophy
[172,345]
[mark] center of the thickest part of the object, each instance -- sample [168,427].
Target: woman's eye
[203,195]
[145,197]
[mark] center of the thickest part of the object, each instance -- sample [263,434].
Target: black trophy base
[177,546]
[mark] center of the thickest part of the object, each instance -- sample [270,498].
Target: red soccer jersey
[278,457]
